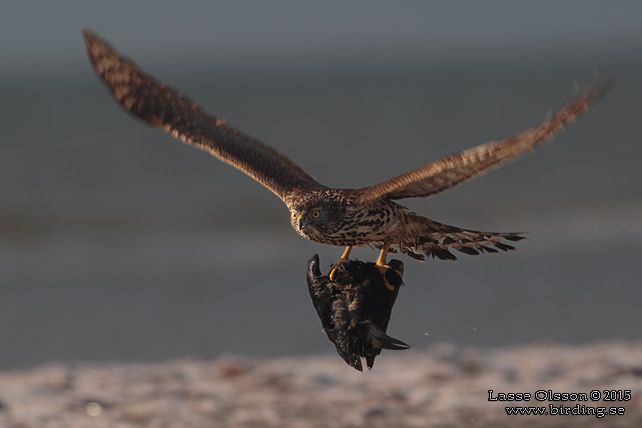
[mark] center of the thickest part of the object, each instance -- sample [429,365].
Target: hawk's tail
[436,239]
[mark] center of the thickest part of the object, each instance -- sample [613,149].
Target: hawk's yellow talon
[343,258]
[383,270]
[333,270]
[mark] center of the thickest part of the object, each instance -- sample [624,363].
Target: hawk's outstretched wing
[446,172]
[172,112]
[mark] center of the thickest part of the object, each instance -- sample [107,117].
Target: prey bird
[355,308]
[344,217]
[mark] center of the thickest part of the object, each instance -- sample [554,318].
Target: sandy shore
[442,387]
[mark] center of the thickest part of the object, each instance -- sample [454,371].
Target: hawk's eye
[293,216]
[316,214]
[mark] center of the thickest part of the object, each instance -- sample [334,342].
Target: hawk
[343,217]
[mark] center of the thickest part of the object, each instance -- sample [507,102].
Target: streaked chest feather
[367,225]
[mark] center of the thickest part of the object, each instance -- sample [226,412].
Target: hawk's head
[318,215]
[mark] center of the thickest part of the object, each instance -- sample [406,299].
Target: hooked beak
[300,221]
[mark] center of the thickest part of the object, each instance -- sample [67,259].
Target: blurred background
[117,242]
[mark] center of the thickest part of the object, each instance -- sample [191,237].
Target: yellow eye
[294,216]
[316,214]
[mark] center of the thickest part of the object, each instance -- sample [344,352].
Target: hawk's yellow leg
[382,267]
[342,259]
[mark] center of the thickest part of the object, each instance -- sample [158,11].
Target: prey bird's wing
[448,171]
[172,112]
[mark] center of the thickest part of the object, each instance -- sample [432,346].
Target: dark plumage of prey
[356,307]
[345,217]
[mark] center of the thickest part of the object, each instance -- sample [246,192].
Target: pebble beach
[443,386]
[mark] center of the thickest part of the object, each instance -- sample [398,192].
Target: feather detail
[436,239]
[449,171]
[165,108]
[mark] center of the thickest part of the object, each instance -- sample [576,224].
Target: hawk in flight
[343,217]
